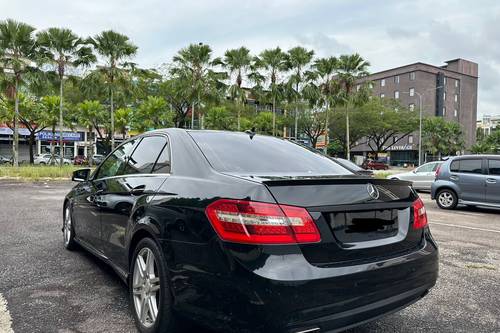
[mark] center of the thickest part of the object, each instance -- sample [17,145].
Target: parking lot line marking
[465,227]
[5,319]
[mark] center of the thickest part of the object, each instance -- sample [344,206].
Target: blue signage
[67,136]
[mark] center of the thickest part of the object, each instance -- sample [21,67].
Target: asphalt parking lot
[44,288]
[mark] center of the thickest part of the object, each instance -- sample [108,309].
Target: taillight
[241,221]
[437,171]
[419,214]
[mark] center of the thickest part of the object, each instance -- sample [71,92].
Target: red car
[80,160]
[374,165]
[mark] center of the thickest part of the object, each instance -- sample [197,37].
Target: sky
[386,33]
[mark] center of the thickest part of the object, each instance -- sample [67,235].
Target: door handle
[491,181]
[454,177]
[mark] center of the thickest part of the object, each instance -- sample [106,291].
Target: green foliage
[219,118]
[441,137]
[488,144]
[152,113]
[385,119]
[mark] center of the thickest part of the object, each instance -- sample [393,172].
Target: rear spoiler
[330,180]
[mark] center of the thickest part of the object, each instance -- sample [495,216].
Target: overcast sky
[386,33]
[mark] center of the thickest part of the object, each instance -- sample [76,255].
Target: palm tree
[237,61]
[323,76]
[115,47]
[63,49]
[89,115]
[298,59]
[350,69]
[274,61]
[194,63]
[18,50]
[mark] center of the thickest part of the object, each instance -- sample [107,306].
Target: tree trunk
[31,143]
[296,114]
[327,127]
[112,121]
[192,115]
[274,116]
[15,143]
[90,152]
[347,138]
[239,115]
[61,159]
[52,145]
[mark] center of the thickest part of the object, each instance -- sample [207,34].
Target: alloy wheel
[146,287]
[446,199]
[67,227]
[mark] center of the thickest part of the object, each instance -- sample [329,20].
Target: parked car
[422,177]
[244,232]
[375,165]
[80,160]
[4,160]
[470,180]
[97,159]
[353,167]
[43,159]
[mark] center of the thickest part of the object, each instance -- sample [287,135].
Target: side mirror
[414,171]
[80,175]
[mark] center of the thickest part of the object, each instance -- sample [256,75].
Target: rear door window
[145,155]
[494,167]
[262,155]
[467,166]
[426,168]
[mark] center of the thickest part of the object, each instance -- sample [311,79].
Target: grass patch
[382,175]
[38,172]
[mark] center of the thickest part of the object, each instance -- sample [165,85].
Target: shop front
[73,143]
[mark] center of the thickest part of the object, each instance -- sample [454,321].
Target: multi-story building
[488,124]
[448,91]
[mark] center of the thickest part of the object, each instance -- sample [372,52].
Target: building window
[444,96]
[411,106]
[412,76]
[396,94]
[444,81]
[412,91]
[456,98]
[382,95]
[456,83]
[455,113]
[371,85]
[396,79]
[382,83]
[410,139]
[444,111]
[358,87]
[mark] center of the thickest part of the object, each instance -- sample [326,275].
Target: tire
[152,293]
[68,229]
[447,199]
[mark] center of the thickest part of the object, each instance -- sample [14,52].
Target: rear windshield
[262,155]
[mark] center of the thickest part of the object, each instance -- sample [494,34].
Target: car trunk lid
[360,218]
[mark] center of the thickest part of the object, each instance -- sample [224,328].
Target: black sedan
[243,232]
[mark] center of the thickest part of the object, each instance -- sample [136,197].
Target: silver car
[43,159]
[422,177]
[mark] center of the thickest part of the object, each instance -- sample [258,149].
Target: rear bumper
[283,293]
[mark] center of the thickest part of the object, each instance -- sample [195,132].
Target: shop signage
[67,136]
[8,131]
